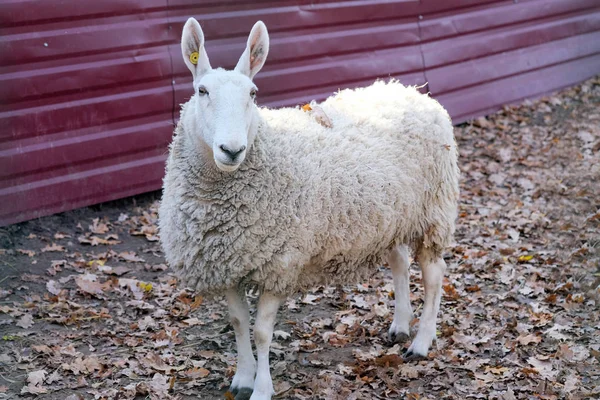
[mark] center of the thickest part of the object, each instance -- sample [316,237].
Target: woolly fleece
[313,205]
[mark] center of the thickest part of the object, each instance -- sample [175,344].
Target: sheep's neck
[202,172]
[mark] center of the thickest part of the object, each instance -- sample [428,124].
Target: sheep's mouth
[228,166]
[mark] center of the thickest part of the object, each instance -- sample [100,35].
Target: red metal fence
[89,91]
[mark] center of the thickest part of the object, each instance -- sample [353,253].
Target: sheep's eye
[202,91]
[253,93]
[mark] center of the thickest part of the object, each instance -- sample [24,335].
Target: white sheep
[273,199]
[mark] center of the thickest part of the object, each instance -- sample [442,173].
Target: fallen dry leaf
[53,247]
[53,287]
[29,253]
[88,284]
[26,321]
[35,381]
[98,227]
[130,256]
[196,373]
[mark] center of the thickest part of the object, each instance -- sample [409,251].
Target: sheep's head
[226,115]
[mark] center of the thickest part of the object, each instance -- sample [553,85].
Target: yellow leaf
[525,258]
[98,262]
[146,287]
[306,107]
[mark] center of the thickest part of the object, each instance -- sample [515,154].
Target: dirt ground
[89,310]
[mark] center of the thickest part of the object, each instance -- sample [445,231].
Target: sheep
[275,200]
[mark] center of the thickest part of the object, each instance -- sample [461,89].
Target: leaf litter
[89,310]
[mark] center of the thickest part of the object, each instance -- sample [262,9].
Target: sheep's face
[226,114]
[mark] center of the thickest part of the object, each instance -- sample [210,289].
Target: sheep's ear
[192,48]
[256,51]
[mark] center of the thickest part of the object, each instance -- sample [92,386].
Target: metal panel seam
[172,75]
[520,72]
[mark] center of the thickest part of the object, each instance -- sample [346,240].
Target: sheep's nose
[230,152]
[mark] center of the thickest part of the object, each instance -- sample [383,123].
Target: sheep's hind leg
[243,380]
[433,268]
[268,304]
[400,329]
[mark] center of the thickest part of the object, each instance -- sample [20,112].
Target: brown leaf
[507,251]
[527,339]
[389,360]
[509,395]
[53,247]
[31,278]
[53,287]
[35,381]
[543,367]
[196,373]
[95,240]
[36,377]
[26,321]
[483,122]
[98,227]
[551,298]
[75,396]
[409,371]
[466,341]
[134,287]
[29,253]
[87,284]
[117,271]
[54,377]
[486,378]
[450,292]
[130,256]
[496,370]
[192,321]
[55,266]
[92,363]
[76,366]
[565,352]
[572,382]
[229,395]
[153,360]
[42,349]
[197,302]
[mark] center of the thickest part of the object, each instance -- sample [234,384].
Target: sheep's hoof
[241,393]
[398,337]
[410,356]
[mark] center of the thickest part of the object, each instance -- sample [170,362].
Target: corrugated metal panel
[87,98]
[90,90]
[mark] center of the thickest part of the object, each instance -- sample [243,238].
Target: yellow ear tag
[194,58]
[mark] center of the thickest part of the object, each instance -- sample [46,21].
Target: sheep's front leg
[400,329]
[268,304]
[243,380]
[433,269]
